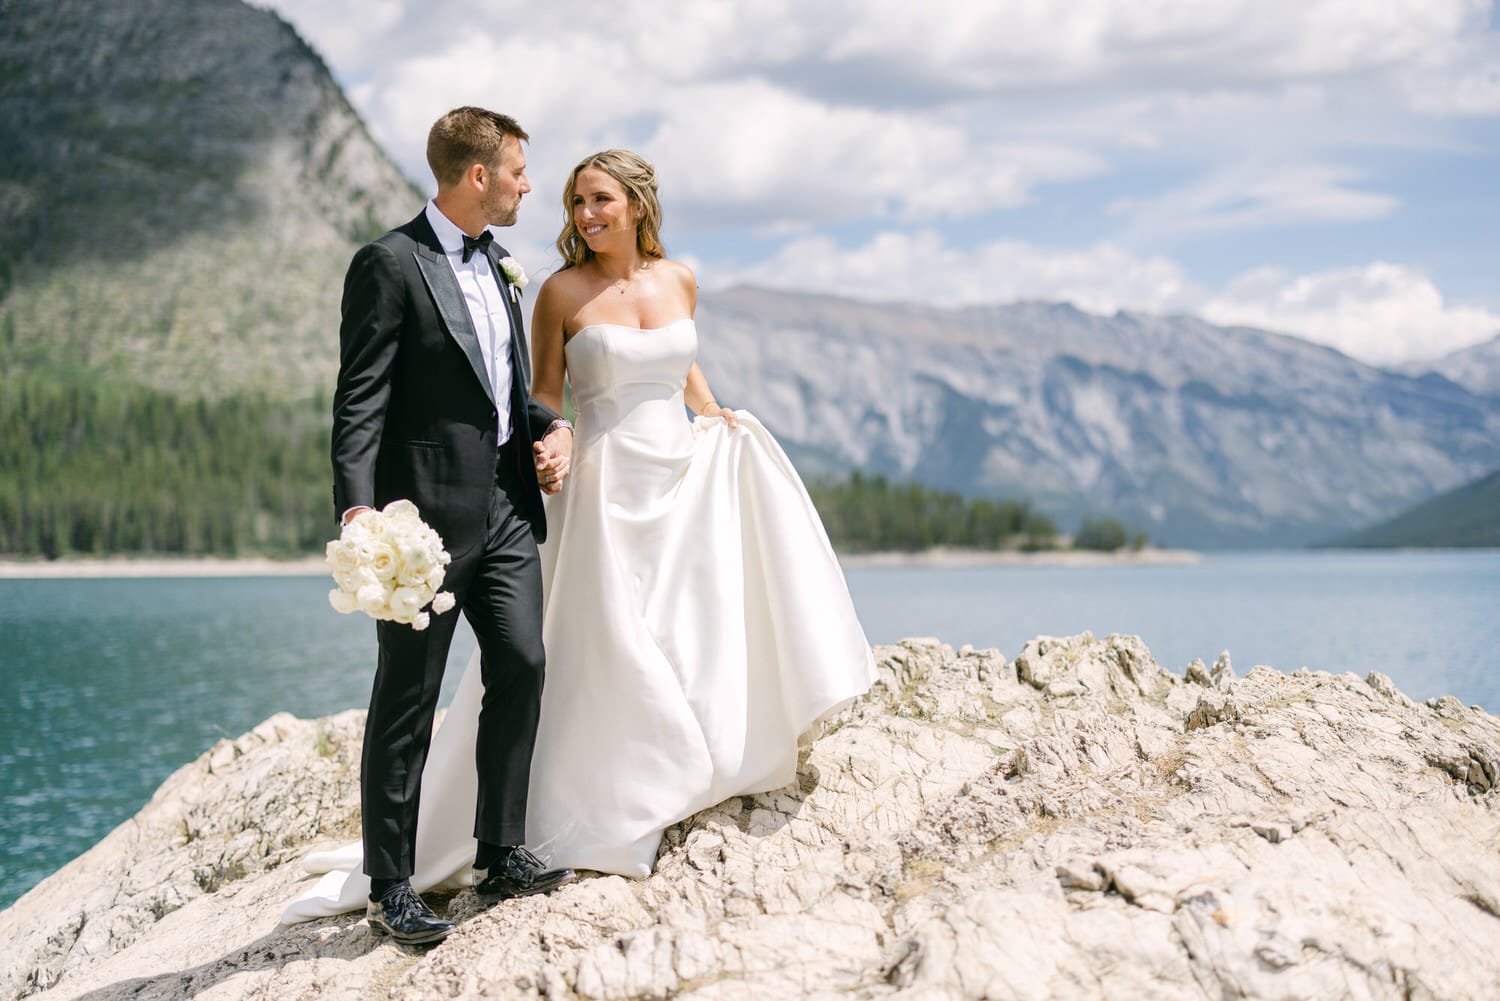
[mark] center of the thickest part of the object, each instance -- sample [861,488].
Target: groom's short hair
[466,136]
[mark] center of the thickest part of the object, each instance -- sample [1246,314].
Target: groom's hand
[354,512]
[554,458]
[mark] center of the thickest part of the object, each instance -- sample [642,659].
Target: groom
[432,404]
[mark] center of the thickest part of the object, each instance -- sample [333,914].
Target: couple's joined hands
[554,459]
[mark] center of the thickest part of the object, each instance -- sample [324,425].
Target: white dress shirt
[485,297]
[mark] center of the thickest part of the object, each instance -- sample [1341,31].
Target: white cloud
[1380,313]
[344,33]
[953,45]
[865,142]
[1021,46]
[921,266]
[1472,89]
[750,151]
[1253,197]
[563,64]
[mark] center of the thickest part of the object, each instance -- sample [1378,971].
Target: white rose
[434,578]
[369,524]
[341,557]
[342,601]
[514,272]
[371,598]
[405,602]
[442,601]
[420,622]
[414,555]
[400,509]
[383,562]
[410,575]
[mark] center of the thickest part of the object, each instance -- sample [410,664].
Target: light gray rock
[1076,823]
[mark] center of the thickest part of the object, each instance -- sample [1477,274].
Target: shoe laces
[522,854]
[405,896]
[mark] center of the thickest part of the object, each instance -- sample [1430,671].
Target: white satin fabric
[696,624]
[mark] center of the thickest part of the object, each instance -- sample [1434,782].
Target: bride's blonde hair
[638,178]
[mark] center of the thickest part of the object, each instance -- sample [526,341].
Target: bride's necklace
[621,284]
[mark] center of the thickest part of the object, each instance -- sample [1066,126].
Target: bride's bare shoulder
[562,281]
[679,275]
[677,270]
[565,290]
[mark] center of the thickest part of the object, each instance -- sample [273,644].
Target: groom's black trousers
[498,585]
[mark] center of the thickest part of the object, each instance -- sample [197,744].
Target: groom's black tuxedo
[414,417]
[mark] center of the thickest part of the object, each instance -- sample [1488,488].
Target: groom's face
[504,185]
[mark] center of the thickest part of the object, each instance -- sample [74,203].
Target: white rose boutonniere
[514,273]
[389,565]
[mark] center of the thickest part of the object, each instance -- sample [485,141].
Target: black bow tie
[481,243]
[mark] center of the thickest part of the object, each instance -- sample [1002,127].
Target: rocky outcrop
[1074,823]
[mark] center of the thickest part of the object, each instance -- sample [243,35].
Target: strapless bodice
[616,369]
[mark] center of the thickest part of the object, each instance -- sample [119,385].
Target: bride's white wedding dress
[696,623]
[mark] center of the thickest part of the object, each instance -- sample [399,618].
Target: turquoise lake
[110,685]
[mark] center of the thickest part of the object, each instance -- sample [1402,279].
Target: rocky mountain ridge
[1075,823]
[1475,368]
[182,188]
[1202,435]
[1465,518]
[184,184]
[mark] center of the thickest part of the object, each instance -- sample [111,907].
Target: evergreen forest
[98,468]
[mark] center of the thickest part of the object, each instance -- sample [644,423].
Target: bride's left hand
[714,410]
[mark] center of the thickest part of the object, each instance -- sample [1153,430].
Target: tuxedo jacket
[414,414]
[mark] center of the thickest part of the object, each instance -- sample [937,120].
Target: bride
[696,618]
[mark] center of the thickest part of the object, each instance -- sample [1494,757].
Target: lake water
[110,685]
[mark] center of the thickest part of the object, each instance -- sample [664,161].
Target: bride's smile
[602,213]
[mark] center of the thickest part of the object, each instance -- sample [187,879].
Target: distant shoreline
[943,557]
[152,566]
[313,566]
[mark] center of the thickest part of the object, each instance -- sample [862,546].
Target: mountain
[1476,368]
[182,186]
[1201,435]
[1468,517]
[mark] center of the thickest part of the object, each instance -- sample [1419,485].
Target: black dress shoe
[518,873]
[403,916]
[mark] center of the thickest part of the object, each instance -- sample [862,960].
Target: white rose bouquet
[389,565]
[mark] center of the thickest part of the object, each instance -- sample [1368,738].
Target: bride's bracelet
[710,403]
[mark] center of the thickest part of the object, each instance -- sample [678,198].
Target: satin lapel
[520,357]
[449,298]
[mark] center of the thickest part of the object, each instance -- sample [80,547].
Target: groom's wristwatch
[561,422]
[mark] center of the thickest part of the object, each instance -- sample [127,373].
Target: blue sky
[1328,168]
